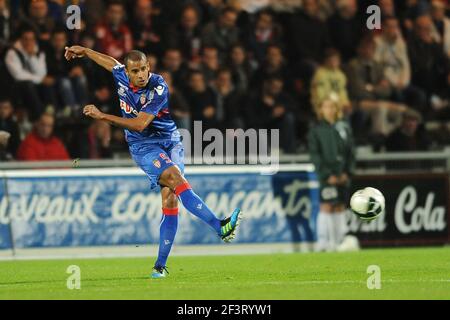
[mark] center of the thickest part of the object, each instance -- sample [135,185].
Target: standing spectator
[27,65]
[70,80]
[41,144]
[332,151]
[186,35]
[330,81]
[5,25]
[441,30]
[392,53]
[346,28]
[8,124]
[429,64]
[273,108]
[222,33]
[201,100]
[145,36]
[114,38]
[264,33]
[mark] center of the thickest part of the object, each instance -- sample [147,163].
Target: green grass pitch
[405,274]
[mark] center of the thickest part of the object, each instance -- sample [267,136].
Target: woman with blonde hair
[331,148]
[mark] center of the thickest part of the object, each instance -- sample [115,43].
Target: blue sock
[196,206]
[167,231]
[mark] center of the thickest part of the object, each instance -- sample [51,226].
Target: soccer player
[154,143]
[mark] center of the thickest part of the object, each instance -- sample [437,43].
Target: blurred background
[239,64]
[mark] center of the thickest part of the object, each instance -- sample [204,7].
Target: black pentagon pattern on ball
[373,211]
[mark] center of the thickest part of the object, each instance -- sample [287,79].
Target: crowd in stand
[231,64]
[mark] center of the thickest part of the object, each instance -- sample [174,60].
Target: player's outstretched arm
[134,124]
[101,59]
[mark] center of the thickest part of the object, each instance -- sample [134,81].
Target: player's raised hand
[92,111]
[74,52]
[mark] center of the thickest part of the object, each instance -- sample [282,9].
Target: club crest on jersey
[156,163]
[143,98]
[159,90]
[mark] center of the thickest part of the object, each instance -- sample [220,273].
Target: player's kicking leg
[225,229]
[167,231]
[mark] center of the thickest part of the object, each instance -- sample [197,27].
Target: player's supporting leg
[172,178]
[167,230]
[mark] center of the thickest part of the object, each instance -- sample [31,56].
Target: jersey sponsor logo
[122,92]
[159,90]
[156,163]
[127,108]
[143,98]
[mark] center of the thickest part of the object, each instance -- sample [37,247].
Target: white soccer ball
[367,203]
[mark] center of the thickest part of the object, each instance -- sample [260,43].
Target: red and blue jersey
[153,99]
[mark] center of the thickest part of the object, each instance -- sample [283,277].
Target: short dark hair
[134,55]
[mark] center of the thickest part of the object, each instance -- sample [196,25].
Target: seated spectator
[5,25]
[223,33]
[371,91]
[429,65]
[346,28]
[411,10]
[274,65]
[265,32]
[70,81]
[186,35]
[9,124]
[172,61]
[228,101]
[202,101]
[26,63]
[99,140]
[330,81]
[441,28]
[41,144]
[392,53]
[210,64]
[179,108]
[241,69]
[39,18]
[144,34]
[410,135]
[114,38]
[387,8]
[273,108]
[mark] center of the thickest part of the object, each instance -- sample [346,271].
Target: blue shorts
[155,157]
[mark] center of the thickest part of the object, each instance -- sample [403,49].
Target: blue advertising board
[116,207]
[5,236]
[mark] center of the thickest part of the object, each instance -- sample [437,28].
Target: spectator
[41,144]
[409,136]
[330,81]
[70,80]
[172,61]
[179,107]
[26,63]
[274,65]
[265,32]
[241,69]
[441,28]
[387,8]
[392,53]
[429,64]
[412,9]
[210,64]
[40,20]
[228,101]
[8,124]
[145,36]
[201,100]
[114,38]
[222,33]
[346,28]
[5,25]
[273,108]
[99,140]
[371,91]
[186,35]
